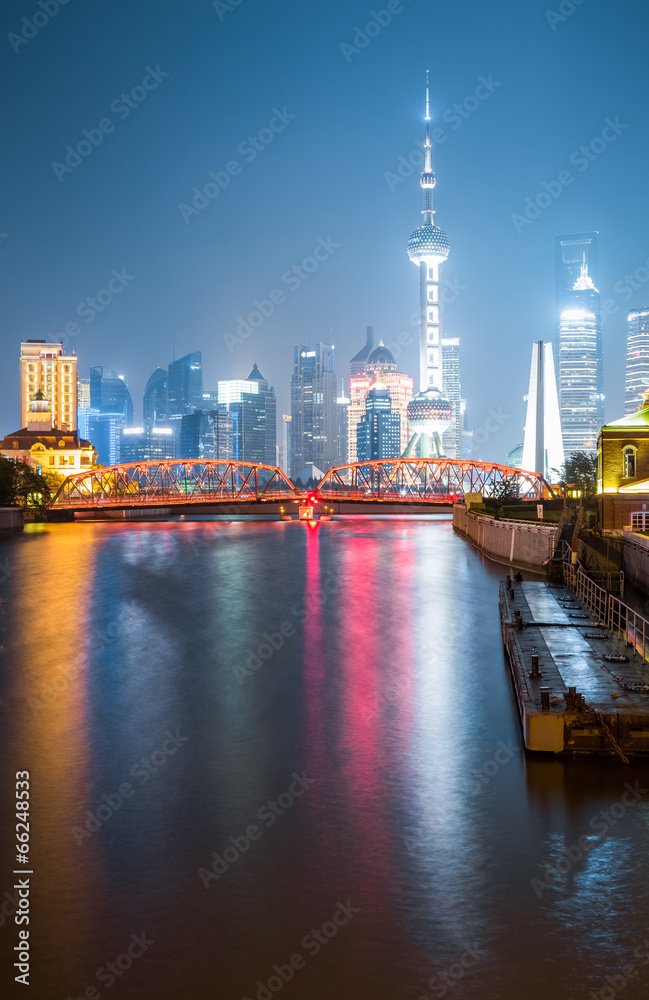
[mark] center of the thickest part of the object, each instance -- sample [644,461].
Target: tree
[581,469]
[20,486]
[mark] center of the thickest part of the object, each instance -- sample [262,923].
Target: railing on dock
[618,617]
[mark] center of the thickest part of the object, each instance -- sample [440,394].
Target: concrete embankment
[11,519]
[515,543]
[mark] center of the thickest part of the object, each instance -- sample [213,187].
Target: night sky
[328,173]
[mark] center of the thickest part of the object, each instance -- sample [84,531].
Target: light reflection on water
[365,654]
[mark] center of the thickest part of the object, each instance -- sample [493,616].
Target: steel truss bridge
[193,482]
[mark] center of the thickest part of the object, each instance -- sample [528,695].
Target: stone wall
[11,519]
[515,543]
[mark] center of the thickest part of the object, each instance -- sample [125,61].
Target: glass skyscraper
[155,403]
[581,395]
[252,405]
[313,409]
[109,393]
[185,385]
[637,359]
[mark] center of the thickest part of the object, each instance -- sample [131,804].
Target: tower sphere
[429,412]
[429,243]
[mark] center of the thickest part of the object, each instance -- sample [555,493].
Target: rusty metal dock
[581,687]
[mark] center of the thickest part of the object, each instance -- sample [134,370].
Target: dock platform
[580,689]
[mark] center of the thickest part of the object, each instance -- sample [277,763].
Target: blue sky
[331,111]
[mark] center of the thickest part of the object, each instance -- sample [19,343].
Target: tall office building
[109,393]
[543,444]
[429,412]
[252,404]
[581,380]
[378,433]
[147,444]
[45,367]
[358,364]
[342,424]
[313,409]
[83,407]
[637,360]
[452,438]
[285,450]
[185,385]
[155,402]
[105,432]
[570,253]
[377,365]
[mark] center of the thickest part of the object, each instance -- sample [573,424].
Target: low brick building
[623,471]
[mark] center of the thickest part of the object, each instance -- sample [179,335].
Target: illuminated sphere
[429,412]
[428,243]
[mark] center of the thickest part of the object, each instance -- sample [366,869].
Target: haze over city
[352,117]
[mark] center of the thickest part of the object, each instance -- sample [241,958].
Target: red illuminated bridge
[199,482]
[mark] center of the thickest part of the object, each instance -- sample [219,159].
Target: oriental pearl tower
[429,413]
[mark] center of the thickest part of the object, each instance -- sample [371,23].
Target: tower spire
[427,174]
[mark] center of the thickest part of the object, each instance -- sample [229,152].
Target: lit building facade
[377,364]
[623,470]
[581,380]
[452,438]
[637,359]
[251,403]
[147,444]
[46,367]
[342,426]
[109,393]
[155,401]
[378,433]
[571,251]
[46,448]
[83,406]
[313,408]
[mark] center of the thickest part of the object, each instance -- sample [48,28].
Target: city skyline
[163,288]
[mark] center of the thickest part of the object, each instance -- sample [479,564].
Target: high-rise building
[581,385]
[313,408]
[155,402]
[83,406]
[378,365]
[285,450]
[185,385]
[105,432]
[570,252]
[637,360]
[45,367]
[429,412]
[542,443]
[223,433]
[147,444]
[252,405]
[342,424]
[452,438]
[109,393]
[378,433]
[358,364]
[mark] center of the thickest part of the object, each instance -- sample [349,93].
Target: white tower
[429,413]
[543,443]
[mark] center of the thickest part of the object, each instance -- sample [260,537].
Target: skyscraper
[252,404]
[155,402]
[313,408]
[429,412]
[109,393]
[185,385]
[46,367]
[637,359]
[452,439]
[285,452]
[368,367]
[342,424]
[358,364]
[570,252]
[542,444]
[581,385]
[378,433]
[83,406]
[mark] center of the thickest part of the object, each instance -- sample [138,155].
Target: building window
[52,459]
[628,462]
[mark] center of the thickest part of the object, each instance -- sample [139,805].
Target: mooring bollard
[535,667]
[545,699]
[518,621]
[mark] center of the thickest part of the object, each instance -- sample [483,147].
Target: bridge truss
[193,481]
[428,480]
[205,481]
